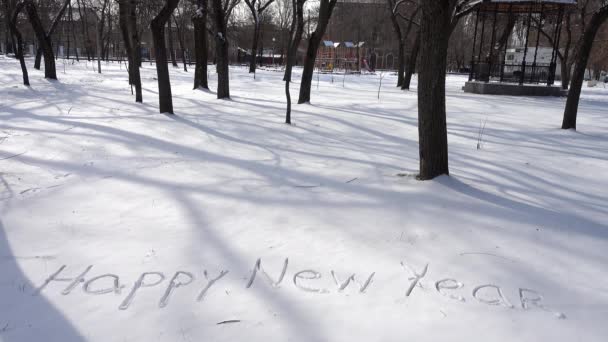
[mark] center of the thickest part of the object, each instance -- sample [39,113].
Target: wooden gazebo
[488,61]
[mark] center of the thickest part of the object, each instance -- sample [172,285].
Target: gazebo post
[556,38]
[504,56]
[474,43]
[523,63]
[483,29]
[492,41]
[539,28]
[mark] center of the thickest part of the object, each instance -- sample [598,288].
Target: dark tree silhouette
[50,32]
[165,98]
[19,48]
[583,50]
[128,29]
[199,19]
[43,39]
[295,36]
[257,8]
[221,13]
[437,22]
[326,7]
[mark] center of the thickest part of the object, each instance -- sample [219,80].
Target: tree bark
[127,36]
[50,32]
[12,22]
[180,39]
[84,32]
[162,70]
[200,45]
[435,30]
[221,51]
[254,47]
[581,59]
[295,36]
[325,9]
[43,39]
[171,48]
[411,63]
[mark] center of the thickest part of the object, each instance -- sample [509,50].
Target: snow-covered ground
[90,178]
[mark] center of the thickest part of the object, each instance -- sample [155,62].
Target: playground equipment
[344,57]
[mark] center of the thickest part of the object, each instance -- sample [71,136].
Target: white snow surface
[89,177]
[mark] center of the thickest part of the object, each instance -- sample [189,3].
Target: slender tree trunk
[435,30]
[411,63]
[325,9]
[200,45]
[162,70]
[582,57]
[43,40]
[171,48]
[180,39]
[221,51]
[12,22]
[295,36]
[98,30]
[254,47]
[84,32]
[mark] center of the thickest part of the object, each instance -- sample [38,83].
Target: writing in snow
[303,280]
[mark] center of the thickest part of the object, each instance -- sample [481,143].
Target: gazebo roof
[519,6]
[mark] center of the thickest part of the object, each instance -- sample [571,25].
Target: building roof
[536,6]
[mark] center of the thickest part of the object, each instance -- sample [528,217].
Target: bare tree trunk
[180,39]
[254,47]
[325,9]
[171,48]
[12,22]
[43,39]
[50,32]
[221,51]
[135,38]
[411,63]
[435,30]
[582,57]
[85,32]
[295,36]
[126,26]
[162,70]
[200,45]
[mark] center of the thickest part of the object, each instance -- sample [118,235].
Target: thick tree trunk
[135,37]
[254,46]
[200,45]
[162,70]
[221,51]
[410,67]
[435,30]
[578,76]
[171,48]
[325,9]
[43,40]
[125,27]
[12,22]
[50,32]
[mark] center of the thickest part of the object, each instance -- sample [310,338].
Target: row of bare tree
[424,29]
